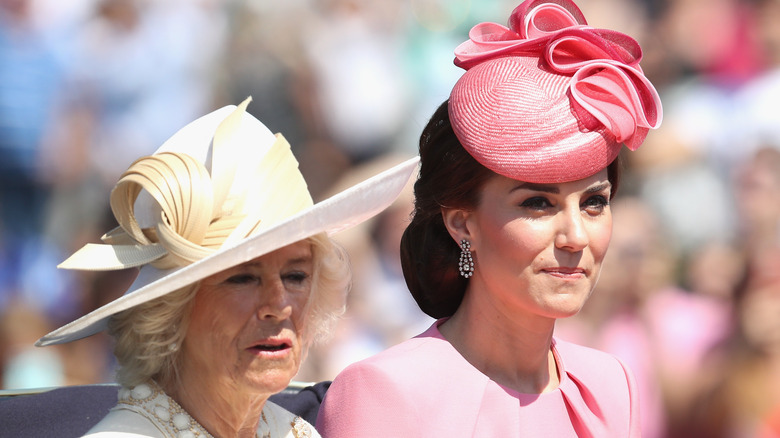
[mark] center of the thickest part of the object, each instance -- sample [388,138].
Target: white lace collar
[150,401]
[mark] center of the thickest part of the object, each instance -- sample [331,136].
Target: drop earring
[174,346]
[466,262]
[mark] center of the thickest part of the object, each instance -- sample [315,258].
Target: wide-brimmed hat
[549,98]
[220,192]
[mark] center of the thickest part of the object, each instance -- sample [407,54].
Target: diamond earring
[466,263]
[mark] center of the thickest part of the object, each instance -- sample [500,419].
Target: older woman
[510,227]
[238,276]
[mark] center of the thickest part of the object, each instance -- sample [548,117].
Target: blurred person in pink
[757,194]
[510,227]
[727,58]
[743,398]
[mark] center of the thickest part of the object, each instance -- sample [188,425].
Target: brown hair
[449,178]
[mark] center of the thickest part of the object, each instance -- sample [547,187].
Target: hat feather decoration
[203,210]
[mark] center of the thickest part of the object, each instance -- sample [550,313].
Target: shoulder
[123,423]
[373,394]
[398,392]
[279,422]
[589,364]
[409,363]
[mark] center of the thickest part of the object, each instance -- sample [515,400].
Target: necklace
[151,402]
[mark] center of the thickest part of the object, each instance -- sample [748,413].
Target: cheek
[217,321]
[301,310]
[514,240]
[600,238]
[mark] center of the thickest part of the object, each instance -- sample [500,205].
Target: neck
[222,407]
[512,349]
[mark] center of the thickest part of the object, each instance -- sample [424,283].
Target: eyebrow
[536,188]
[599,187]
[292,261]
[555,190]
[302,259]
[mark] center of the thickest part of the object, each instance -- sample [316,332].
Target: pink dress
[424,387]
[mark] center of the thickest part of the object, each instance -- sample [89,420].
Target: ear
[456,221]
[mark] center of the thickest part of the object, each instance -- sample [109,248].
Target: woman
[511,224]
[237,277]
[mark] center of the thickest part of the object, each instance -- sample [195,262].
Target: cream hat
[220,192]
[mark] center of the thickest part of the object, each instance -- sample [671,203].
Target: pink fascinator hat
[549,98]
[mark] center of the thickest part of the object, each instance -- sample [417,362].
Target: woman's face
[538,248]
[248,322]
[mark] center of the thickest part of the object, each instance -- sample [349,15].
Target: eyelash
[536,203]
[539,203]
[242,279]
[295,276]
[598,201]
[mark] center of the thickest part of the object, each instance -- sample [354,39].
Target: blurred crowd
[689,295]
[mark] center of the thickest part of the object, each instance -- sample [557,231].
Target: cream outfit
[146,411]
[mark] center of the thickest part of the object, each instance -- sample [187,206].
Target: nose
[274,301]
[571,234]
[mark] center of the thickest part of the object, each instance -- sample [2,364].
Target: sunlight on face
[248,322]
[539,247]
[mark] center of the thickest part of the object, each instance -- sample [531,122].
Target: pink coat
[424,387]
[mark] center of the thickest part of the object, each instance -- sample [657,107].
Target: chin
[271,381]
[568,313]
[566,308]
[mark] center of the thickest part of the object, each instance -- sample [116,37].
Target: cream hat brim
[337,213]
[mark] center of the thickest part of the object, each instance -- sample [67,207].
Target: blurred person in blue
[238,276]
[31,76]
[133,60]
[355,50]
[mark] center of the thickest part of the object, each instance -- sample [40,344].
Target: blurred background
[690,293]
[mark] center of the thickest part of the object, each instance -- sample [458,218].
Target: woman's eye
[242,279]
[296,277]
[595,204]
[536,203]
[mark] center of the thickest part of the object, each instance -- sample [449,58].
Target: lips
[271,345]
[565,272]
[264,347]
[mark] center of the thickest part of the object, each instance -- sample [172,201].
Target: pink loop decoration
[607,86]
[533,22]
